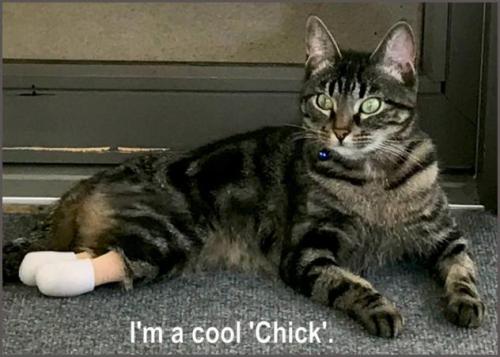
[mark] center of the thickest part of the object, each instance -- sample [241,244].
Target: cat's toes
[465,311]
[384,321]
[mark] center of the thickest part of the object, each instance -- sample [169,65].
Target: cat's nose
[341,133]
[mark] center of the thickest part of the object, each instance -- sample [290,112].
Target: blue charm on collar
[324,154]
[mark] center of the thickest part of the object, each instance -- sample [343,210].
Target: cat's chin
[363,152]
[348,152]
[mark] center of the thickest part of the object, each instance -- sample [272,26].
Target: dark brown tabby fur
[314,205]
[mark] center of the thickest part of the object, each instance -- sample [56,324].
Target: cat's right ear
[321,48]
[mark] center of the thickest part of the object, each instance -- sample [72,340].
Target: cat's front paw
[384,320]
[464,310]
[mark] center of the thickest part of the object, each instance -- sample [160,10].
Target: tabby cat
[317,205]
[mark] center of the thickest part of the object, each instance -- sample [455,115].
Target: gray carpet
[99,322]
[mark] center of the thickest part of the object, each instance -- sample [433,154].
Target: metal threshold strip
[18,200]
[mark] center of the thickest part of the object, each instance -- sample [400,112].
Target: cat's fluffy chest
[371,202]
[382,219]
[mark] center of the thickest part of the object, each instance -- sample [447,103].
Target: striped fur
[266,201]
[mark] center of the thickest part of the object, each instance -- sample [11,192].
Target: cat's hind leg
[136,232]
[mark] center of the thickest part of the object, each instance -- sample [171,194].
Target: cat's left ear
[396,53]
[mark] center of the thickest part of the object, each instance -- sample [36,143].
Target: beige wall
[234,32]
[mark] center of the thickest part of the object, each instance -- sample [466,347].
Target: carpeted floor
[99,322]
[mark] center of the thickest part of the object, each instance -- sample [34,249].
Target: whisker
[294,126]
[401,153]
[410,156]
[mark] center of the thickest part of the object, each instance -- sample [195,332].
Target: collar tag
[324,154]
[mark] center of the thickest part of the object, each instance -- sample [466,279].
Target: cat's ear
[321,48]
[396,53]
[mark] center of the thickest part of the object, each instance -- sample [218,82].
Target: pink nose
[341,133]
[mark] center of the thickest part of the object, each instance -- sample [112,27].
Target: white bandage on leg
[35,260]
[68,278]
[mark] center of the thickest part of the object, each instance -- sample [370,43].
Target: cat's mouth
[345,143]
[345,148]
[352,145]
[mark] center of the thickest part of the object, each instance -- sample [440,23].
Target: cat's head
[355,103]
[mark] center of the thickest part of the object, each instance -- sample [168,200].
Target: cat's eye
[324,102]
[370,105]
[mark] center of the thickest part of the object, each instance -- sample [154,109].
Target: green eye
[324,102]
[371,105]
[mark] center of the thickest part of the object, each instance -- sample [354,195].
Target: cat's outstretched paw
[465,310]
[384,320]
